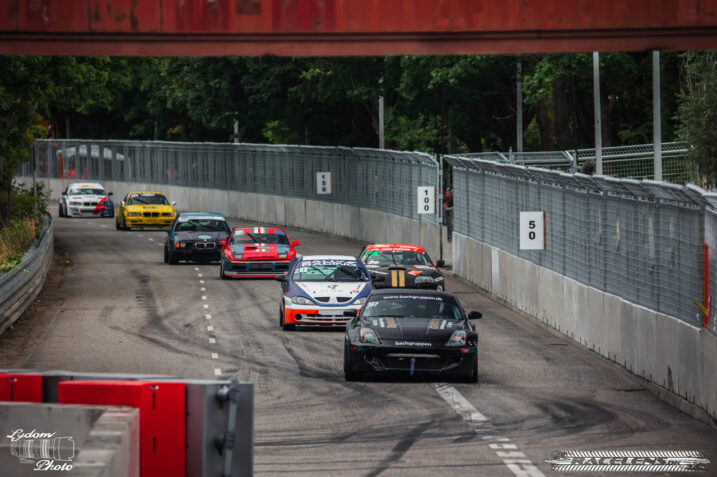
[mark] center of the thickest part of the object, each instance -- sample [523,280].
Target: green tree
[697,114]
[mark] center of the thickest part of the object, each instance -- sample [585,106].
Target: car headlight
[133,214]
[360,301]
[283,254]
[423,279]
[367,335]
[458,338]
[180,245]
[167,214]
[438,279]
[300,300]
[238,256]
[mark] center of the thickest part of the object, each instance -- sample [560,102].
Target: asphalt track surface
[118,308]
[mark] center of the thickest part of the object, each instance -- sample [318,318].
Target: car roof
[147,192]
[411,292]
[86,185]
[328,257]
[395,247]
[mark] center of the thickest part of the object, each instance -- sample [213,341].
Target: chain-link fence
[376,179]
[711,242]
[640,240]
[633,162]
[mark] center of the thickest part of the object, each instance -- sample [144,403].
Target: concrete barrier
[678,358]
[91,441]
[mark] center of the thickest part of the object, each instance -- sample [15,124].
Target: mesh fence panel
[376,179]
[640,240]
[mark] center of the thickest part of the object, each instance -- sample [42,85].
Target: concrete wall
[105,441]
[367,225]
[674,355]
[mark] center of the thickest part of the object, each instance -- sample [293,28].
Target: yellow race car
[145,209]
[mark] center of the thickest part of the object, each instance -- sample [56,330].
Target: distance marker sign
[532,230]
[323,183]
[426,200]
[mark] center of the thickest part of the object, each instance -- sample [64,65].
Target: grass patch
[15,240]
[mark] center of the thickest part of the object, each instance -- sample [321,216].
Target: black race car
[402,266]
[411,331]
[195,236]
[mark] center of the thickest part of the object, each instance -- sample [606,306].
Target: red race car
[256,252]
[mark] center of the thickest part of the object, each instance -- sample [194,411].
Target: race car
[402,266]
[256,252]
[195,236]
[318,289]
[86,199]
[411,332]
[145,209]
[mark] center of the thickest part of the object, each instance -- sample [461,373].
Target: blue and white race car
[318,289]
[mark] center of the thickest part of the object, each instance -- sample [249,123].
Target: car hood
[332,290]
[413,329]
[149,208]
[260,251]
[201,236]
[402,276]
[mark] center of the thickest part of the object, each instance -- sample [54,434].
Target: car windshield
[201,225]
[154,199]
[87,191]
[412,306]
[240,236]
[329,270]
[386,258]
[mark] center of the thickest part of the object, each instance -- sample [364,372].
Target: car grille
[150,214]
[89,204]
[343,299]
[322,299]
[204,245]
[321,318]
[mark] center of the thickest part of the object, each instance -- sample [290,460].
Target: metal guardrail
[20,286]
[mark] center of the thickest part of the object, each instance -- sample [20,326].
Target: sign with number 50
[532,230]
[426,200]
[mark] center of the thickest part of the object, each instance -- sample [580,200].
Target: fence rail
[377,179]
[20,286]
[640,240]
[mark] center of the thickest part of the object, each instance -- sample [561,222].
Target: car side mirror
[440,264]
[377,278]
[281,278]
[475,315]
[174,202]
[222,243]
[122,203]
[350,313]
[109,193]
[295,243]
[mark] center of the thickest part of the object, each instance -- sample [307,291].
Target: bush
[15,241]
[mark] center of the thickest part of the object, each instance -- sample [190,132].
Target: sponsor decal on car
[417,344]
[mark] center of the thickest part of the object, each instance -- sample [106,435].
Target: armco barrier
[20,286]
[161,417]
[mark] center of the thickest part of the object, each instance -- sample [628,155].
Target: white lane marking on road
[202,289]
[196,268]
[201,281]
[104,226]
[459,404]
[217,372]
[204,297]
[151,240]
[206,306]
[199,275]
[212,340]
[515,461]
[208,316]
[215,356]
[210,328]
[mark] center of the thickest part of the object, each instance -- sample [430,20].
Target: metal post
[598,117]
[656,114]
[519,107]
[35,152]
[381,142]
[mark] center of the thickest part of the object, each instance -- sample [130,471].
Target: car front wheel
[349,373]
[284,326]
[221,270]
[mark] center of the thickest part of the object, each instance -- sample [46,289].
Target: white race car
[86,199]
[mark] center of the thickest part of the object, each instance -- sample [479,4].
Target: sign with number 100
[426,200]
[532,230]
